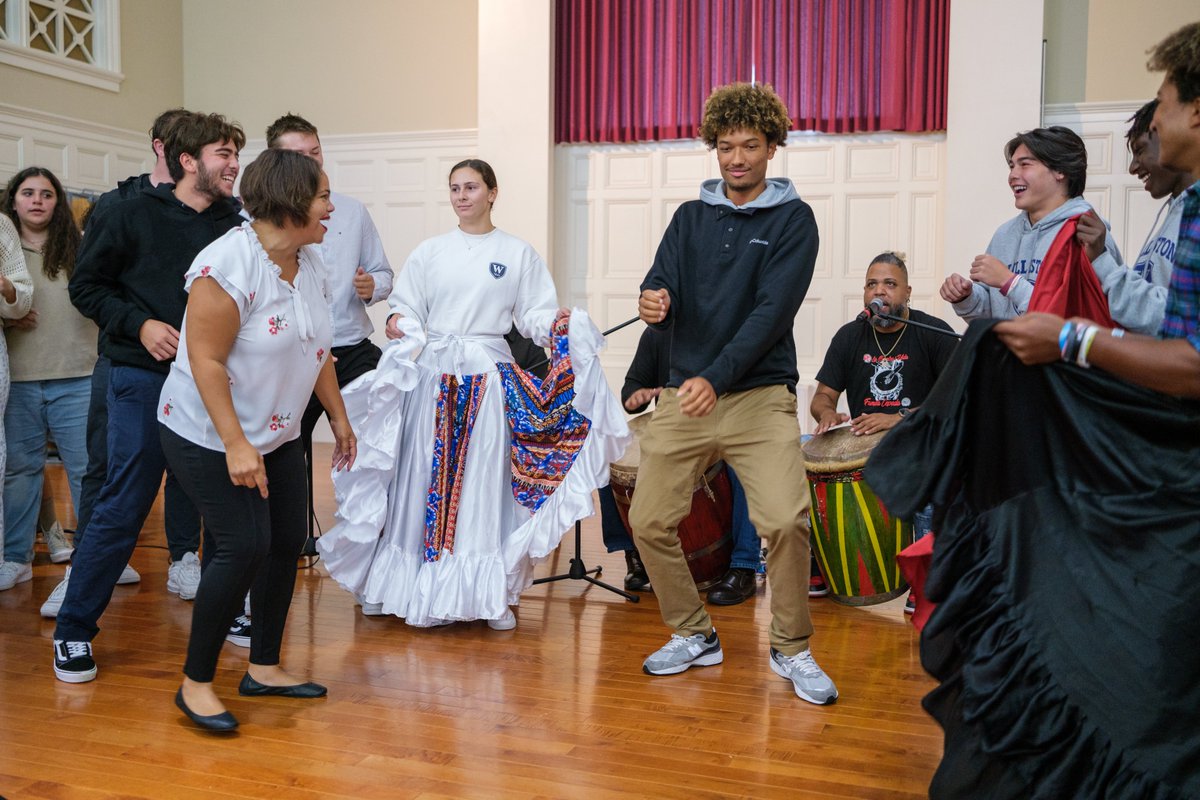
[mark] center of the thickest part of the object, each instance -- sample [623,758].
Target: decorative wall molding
[84,155]
[869,193]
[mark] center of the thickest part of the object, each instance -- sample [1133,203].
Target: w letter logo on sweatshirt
[498,270]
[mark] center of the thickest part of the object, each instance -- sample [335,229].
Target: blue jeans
[37,408]
[180,518]
[134,473]
[747,548]
[923,522]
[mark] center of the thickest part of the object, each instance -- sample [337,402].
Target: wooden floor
[558,708]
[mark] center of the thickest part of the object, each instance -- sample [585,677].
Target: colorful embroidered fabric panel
[547,431]
[457,407]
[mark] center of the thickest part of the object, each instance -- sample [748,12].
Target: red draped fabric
[639,70]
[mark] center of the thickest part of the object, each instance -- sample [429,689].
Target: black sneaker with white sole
[239,632]
[73,662]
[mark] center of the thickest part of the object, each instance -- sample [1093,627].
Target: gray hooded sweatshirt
[1021,247]
[1137,295]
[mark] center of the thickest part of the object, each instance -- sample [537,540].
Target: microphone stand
[578,571]
[924,325]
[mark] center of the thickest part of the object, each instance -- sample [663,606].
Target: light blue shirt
[351,241]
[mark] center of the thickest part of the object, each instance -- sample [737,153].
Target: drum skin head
[623,471]
[839,450]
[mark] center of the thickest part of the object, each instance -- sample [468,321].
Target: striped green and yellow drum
[855,539]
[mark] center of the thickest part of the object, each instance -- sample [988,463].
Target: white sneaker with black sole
[239,632]
[682,652]
[73,662]
[809,680]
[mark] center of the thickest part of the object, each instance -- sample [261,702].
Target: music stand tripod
[578,571]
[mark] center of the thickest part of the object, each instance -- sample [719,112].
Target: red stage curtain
[639,70]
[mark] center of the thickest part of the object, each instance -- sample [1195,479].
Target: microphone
[873,308]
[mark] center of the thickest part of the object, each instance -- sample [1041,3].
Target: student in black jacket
[129,279]
[728,279]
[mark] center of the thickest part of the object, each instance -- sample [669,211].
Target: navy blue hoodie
[736,276]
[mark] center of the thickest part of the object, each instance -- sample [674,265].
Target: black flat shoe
[218,723]
[252,688]
[636,579]
[737,586]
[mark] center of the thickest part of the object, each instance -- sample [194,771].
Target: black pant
[256,544]
[352,361]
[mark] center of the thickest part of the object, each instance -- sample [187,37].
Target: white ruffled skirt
[377,549]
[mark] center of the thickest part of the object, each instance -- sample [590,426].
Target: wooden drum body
[706,533]
[855,539]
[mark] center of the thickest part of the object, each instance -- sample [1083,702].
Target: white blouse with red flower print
[285,336]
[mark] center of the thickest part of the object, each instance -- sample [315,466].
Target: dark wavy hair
[279,186]
[1178,55]
[1058,148]
[753,107]
[192,131]
[62,240]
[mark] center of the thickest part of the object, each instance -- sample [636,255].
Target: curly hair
[63,235]
[744,106]
[1178,55]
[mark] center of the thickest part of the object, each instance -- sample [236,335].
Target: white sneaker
[183,576]
[372,609]
[55,600]
[809,680]
[56,542]
[12,573]
[505,623]
[128,575]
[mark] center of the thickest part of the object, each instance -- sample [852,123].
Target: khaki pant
[757,434]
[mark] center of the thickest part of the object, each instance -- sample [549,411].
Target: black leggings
[256,544]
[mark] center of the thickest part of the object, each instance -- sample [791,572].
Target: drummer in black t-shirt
[885,368]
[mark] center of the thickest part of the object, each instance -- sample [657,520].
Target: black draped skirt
[1067,573]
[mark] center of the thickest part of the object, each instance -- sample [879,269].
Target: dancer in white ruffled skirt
[430,528]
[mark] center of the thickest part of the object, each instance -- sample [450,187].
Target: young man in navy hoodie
[129,279]
[728,279]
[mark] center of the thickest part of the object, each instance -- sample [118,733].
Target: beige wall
[151,37]
[1096,49]
[367,66]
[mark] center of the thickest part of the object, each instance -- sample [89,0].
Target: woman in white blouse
[255,342]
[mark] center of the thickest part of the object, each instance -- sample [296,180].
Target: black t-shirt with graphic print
[885,376]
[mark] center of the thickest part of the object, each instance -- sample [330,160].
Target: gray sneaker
[809,680]
[682,652]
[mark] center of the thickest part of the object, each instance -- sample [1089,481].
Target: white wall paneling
[868,193]
[1116,195]
[83,155]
